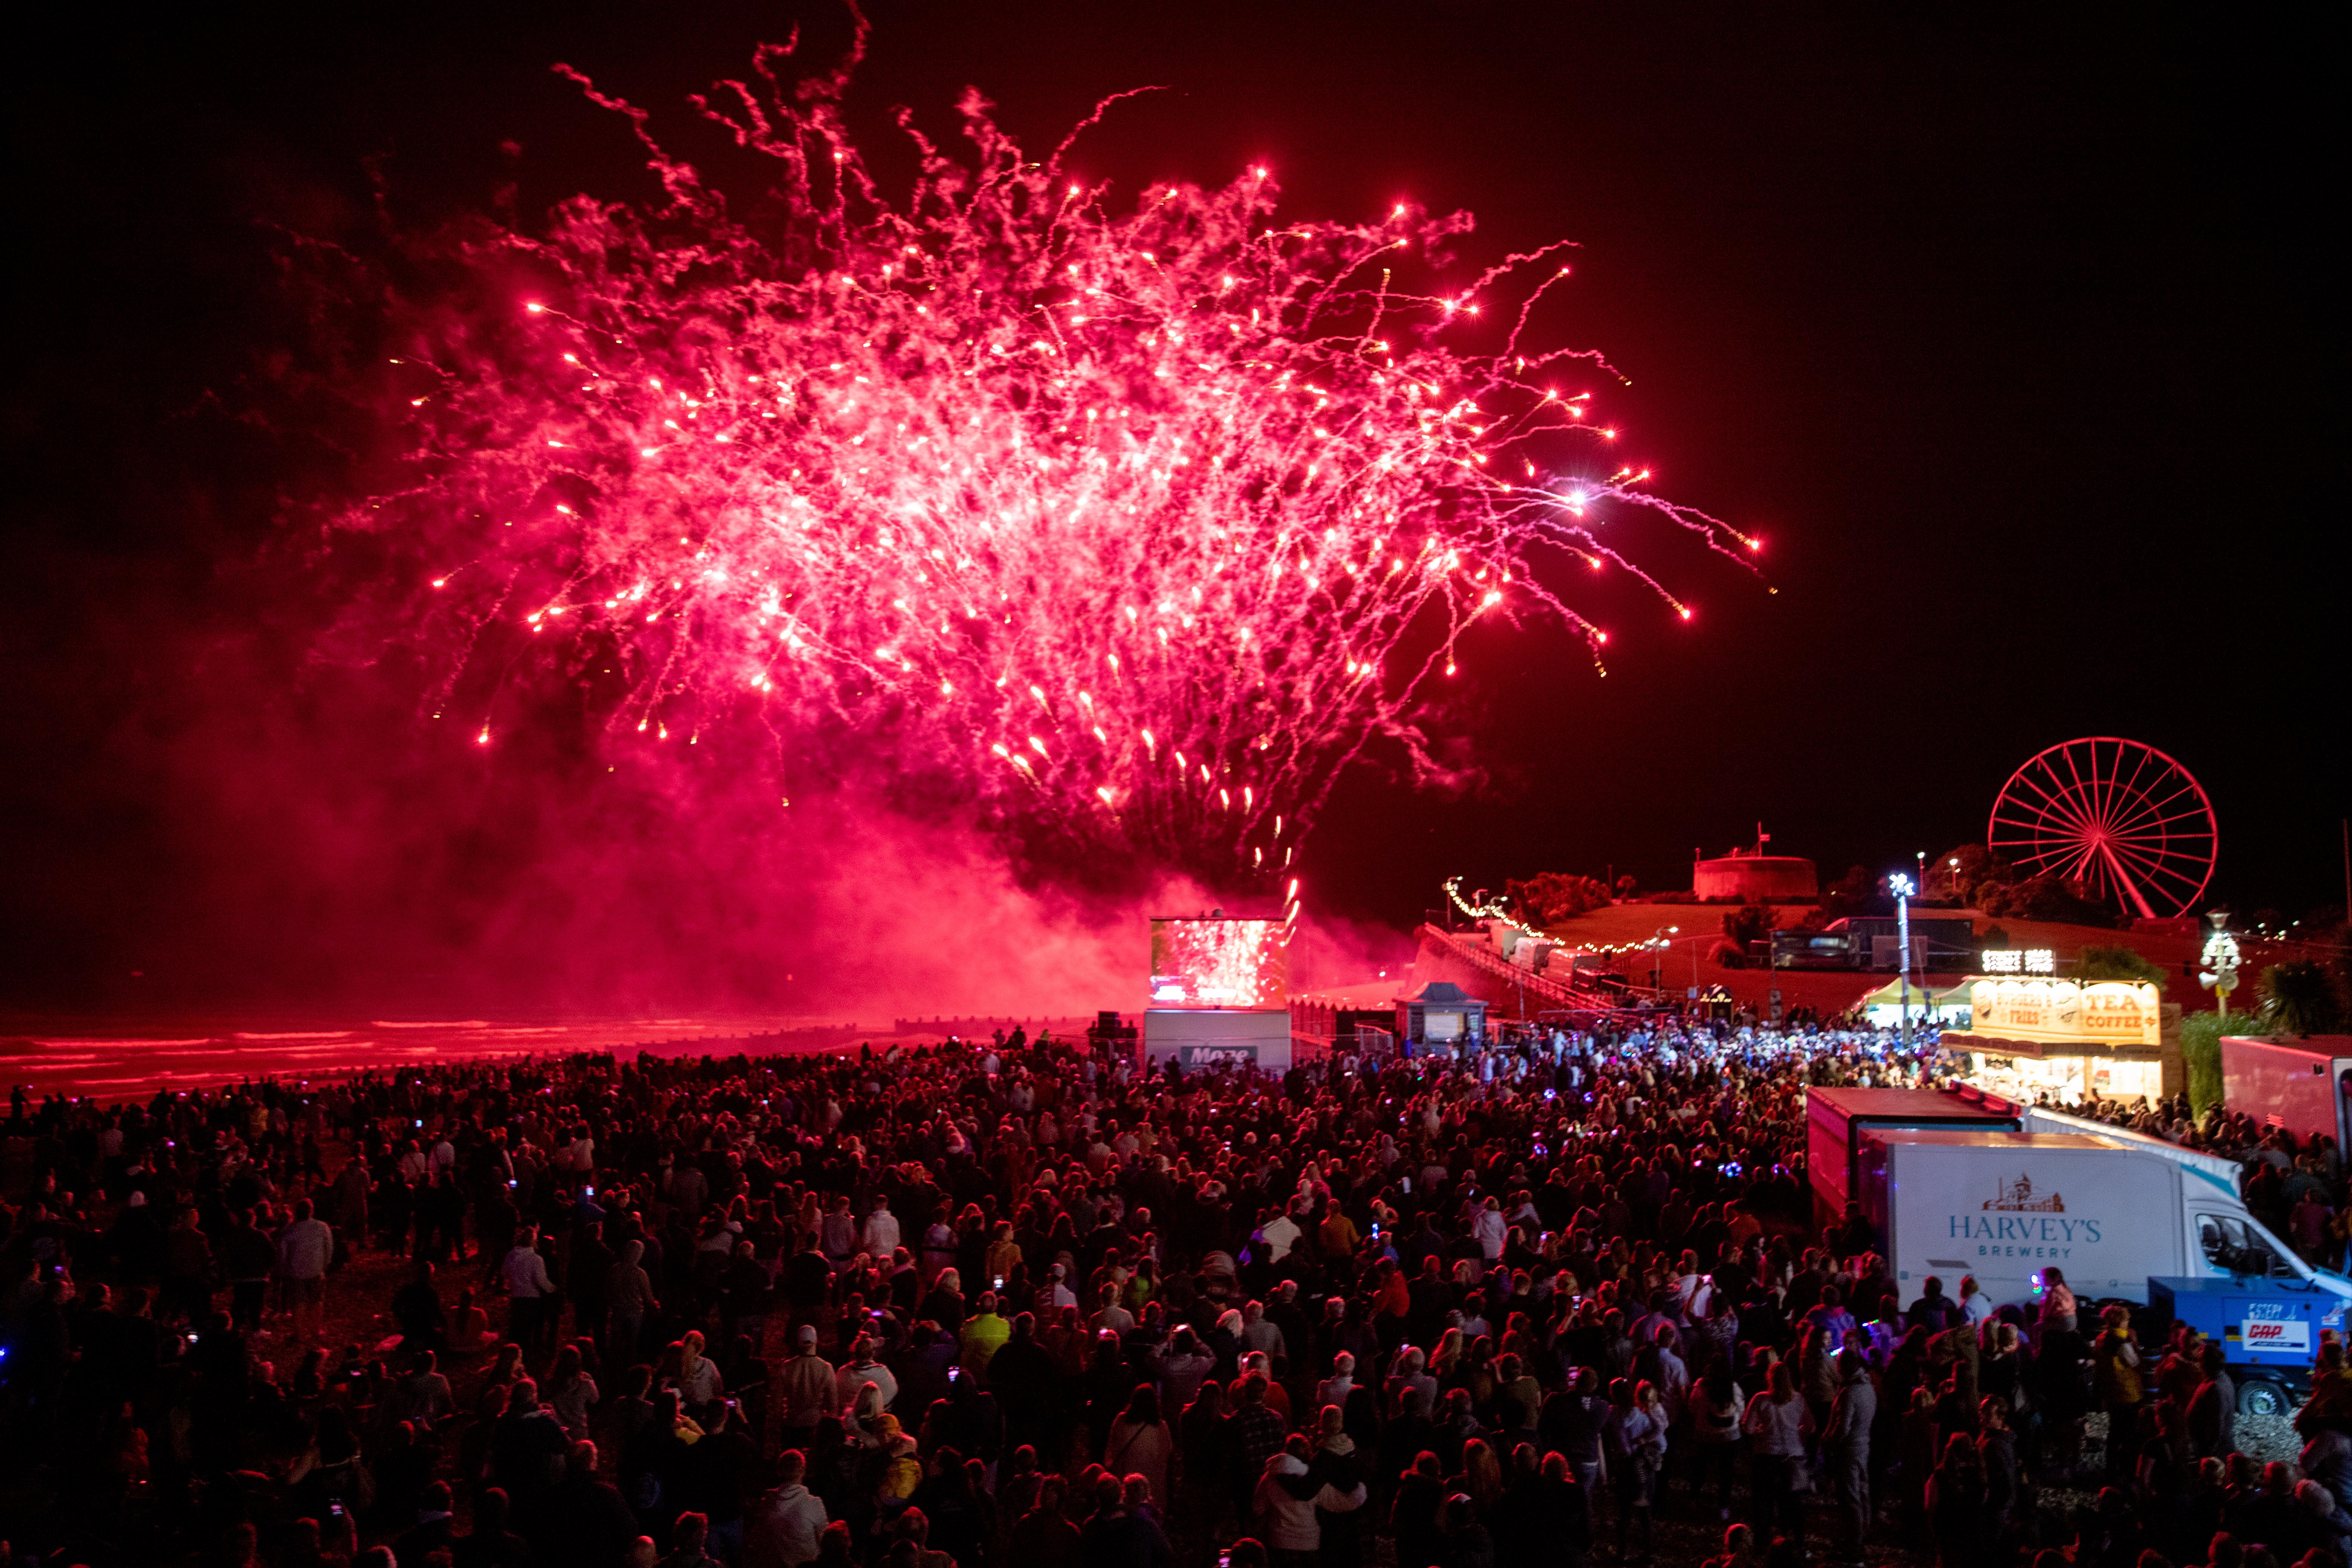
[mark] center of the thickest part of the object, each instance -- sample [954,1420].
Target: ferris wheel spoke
[2120,790]
[2125,885]
[2075,771]
[2180,876]
[2151,865]
[2041,776]
[2181,870]
[2058,803]
[2075,800]
[2086,769]
[2031,853]
[2169,831]
[2016,795]
[2087,800]
[2036,821]
[2180,835]
[2140,827]
[2193,809]
[2086,862]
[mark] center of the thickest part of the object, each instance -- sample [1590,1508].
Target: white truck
[2109,1209]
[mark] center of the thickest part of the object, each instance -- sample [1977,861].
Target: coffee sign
[2065,1012]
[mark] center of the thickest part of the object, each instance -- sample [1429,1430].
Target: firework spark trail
[1137,525]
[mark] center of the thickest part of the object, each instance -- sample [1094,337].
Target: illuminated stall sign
[2019,960]
[2111,1012]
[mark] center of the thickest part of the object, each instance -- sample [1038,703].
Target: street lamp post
[1902,888]
[2219,975]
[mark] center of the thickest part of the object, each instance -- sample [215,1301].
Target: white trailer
[2004,1207]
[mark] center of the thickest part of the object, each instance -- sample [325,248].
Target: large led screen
[1219,964]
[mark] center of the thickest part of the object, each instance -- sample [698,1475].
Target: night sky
[2016,342]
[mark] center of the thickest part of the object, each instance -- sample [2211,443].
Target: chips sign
[1220,964]
[2064,1011]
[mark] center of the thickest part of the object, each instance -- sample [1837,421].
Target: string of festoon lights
[1476,912]
[1611,950]
[1496,911]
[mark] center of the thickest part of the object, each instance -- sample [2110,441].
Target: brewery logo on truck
[2019,1222]
[2017,1197]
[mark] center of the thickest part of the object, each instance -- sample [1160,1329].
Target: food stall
[2030,1036]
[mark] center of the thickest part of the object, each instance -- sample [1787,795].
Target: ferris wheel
[2121,818]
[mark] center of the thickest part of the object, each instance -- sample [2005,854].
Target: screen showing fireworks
[1219,964]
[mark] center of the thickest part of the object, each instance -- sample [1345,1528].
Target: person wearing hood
[1997,1457]
[786,1523]
[859,1370]
[628,1297]
[881,1231]
[531,1291]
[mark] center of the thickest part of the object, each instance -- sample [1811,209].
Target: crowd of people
[1560,1299]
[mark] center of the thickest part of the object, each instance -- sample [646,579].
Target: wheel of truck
[2260,1397]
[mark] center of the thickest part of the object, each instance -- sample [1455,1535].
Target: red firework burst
[1132,524]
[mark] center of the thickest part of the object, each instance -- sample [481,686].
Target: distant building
[1745,875]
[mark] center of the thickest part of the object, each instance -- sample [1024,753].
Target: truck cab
[2231,1240]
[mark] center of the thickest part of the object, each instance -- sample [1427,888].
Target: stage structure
[1219,994]
[1440,1015]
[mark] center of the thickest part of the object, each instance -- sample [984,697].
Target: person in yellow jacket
[2121,1387]
[900,1469]
[982,1335]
